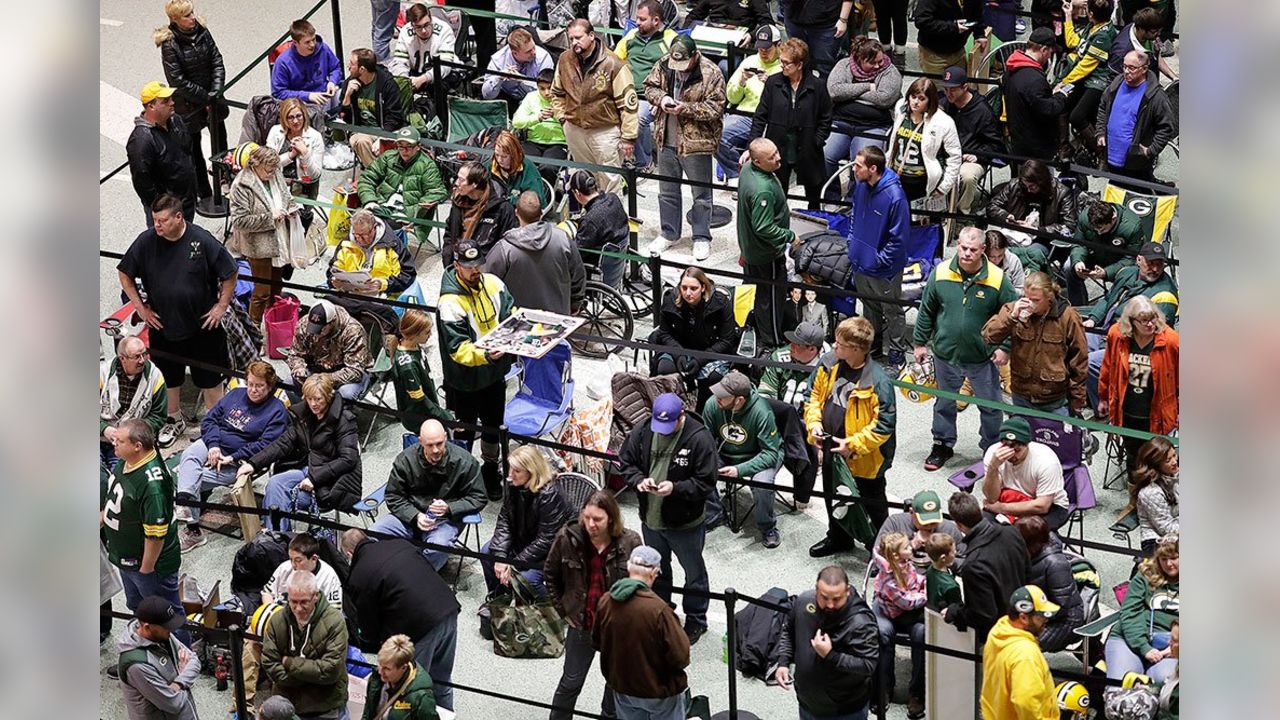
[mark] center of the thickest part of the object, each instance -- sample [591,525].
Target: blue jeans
[613,268]
[279,494]
[193,475]
[1122,659]
[687,546]
[888,635]
[644,141]
[533,575]
[855,715]
[671,197]
[138,586]
[444,533]
[985,379]
[765,515]
[733,141]
[822,45]
[435,652]
[1097,348]
[630,707]
[1064,409]
[578,658]
[384,26]
[355,390]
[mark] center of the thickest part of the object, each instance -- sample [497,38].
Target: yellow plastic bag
[340,219]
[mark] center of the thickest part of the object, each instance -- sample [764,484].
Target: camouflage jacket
[703,96]
[340,349]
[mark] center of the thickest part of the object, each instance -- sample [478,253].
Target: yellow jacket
[869,419]
[1016,684]
[383,262]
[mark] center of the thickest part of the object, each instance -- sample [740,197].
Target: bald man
[764,231]
[433,485]
[538,249]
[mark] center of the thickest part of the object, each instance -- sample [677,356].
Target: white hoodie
[326,578]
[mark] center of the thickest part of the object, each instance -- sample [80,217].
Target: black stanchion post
[733,713]
[336,7]
[273,517]
[437,91]
[655,283]
[237,670]
[216,205]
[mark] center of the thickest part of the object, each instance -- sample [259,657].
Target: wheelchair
[607,314]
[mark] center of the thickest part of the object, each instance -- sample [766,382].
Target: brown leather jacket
[1048,355]
[601,95]
[567,571]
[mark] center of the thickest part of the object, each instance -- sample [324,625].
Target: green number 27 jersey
[138,505]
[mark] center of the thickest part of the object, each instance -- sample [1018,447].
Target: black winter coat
[160,160]
[390,111]
[842,680]
[1050,570]
[808,120]
[709,326]
[330,446]
[1155,126]
[749,14]
[193,65]
[936,22]
[497,219]
[1058,216]
[1031,108]
[603,222]
[976,125]
[994,565]
[393,590]
[693,470]
[528,523]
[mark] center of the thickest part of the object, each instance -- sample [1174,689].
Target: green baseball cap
[1016,429]
[1031,599]
[927,508]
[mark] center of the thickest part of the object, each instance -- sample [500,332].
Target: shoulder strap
[128,659]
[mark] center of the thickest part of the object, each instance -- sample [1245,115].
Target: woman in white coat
[301,150]
[922,139]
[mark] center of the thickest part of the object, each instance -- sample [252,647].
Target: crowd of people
[1057,299]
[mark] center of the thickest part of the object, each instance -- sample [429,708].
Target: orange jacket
[1113,379]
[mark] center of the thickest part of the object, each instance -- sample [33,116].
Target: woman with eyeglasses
[1153,492]
[264,223]
[1141,642]
[1138,380]
[795,113]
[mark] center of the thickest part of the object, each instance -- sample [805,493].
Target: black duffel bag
[823,258]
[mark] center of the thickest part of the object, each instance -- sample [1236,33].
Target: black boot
[492,475]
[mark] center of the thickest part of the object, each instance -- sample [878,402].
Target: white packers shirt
[1039,474]
[326,578]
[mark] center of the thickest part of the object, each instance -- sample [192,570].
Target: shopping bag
[250,523]
[339,217]
[281,319]
[524,625]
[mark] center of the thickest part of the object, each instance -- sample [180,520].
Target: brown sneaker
[218,518]
[191,538]
[915,707]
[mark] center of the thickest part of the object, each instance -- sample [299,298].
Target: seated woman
[864,88]
[696,317]
[1153,492]
[1035,200]
[1140,641]
[899,599]
[323,439]
[602,226]
[415,390]
[480,211]
[301,150]
[544,135]
[510,168]
[533,511]
[244,421]
[921,140]
[1137,374]
[263,222]
[1050,570]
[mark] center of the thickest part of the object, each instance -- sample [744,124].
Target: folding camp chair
[1067,442]
[545,399]
[467,116]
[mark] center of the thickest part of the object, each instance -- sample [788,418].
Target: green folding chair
[467,116]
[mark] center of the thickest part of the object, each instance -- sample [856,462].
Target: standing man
[819,23]
[1135,120]
[750,444]
[643,652]
[764,232]
[159,150]
[433,485]
[304,652]
[993,565]
[1016,683]
[1032,109]
[594,98]
[686,96]
[671,462]
[473,302]
[853,403]
[370,98]
[393,591]
[156,669]
[642,47]
[877,250]
[978,131]
[189,279]
[137,518]
[943,27]
[959,298]
[538,249]
[830,635]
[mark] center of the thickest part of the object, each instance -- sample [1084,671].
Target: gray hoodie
[541,267]
[145,683]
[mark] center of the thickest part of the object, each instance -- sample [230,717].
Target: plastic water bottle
[724,648]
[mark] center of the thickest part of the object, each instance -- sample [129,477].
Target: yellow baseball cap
[153,90]
[1031,599]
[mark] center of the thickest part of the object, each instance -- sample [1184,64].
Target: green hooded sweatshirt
[314,678]
[625,588]
[749,438]
[417,702]
[1127,235]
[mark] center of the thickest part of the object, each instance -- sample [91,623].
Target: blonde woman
[193,67]
[300,146]
[1140,641]
[264,218]
[401,689]
[899,599]
[533,511]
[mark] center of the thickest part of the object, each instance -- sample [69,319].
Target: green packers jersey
[138,505]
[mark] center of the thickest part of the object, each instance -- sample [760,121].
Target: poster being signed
[529,333]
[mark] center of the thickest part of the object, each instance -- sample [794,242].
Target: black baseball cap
[1043,36]
[954,76]
[767,36]
[468,255]
[1154,251]
[155,610]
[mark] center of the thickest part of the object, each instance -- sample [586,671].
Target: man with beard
[1016,684]
[594,98]
[830,634]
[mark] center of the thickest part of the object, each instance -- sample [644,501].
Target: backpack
[254,564]
[758,630]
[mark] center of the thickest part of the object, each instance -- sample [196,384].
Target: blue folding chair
[545,399]
[412,294]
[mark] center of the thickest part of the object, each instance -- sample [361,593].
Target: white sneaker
[658,245]
[182,514]
[701,249]
[172,429]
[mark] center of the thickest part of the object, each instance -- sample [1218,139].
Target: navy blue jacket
[241,428]
[881,220]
